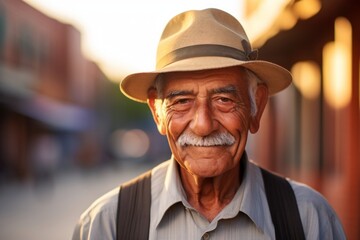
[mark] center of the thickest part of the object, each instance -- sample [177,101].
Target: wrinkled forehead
[216,77]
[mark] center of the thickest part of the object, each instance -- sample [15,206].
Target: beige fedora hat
[204,39]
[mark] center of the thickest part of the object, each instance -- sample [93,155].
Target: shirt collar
[253,202]
[172,192]
[250,198]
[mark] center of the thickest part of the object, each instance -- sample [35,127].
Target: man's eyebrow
[176,93]
[227,89]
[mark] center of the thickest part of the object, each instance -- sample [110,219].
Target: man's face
[206,116]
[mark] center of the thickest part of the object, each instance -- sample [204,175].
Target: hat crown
[200,40]
[199,28]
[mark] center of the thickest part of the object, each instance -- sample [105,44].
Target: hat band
[205,50]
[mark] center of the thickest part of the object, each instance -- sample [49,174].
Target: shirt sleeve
[99,220]
[318,218]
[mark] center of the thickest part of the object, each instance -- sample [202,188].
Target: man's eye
[182,101]
[225,100]
[224,104]
[181,104]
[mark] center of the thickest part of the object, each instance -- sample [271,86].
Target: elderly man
[207,93]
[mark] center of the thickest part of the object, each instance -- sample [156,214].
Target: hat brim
[135,86]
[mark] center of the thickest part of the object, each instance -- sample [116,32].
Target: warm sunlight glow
[337,66]
[267,11]
[122,36]
[306,77]
[288,19]
[268,17]
[307,8]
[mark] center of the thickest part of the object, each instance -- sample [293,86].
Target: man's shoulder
[109,201]
[307,196]
[98,221]
[318,217]
[105,203]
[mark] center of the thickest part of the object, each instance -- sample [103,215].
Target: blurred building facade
[48,92]
[311,131]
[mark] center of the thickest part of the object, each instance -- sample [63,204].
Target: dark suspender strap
[283,207]
[133,214]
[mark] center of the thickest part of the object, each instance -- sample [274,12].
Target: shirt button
[206,236]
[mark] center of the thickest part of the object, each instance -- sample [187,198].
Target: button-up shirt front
[247,215]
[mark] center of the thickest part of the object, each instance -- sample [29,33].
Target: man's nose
[203,122]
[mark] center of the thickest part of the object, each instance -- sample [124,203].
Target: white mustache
[216,139]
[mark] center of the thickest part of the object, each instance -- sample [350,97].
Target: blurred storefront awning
[55,114]
[17,94]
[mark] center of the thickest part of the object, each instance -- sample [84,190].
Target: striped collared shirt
[247,216]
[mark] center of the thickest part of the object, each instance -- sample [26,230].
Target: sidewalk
[51,211]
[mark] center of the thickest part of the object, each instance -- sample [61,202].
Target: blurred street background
[50,209]
[67,134]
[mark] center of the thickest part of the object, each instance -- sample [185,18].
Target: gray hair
[253,82]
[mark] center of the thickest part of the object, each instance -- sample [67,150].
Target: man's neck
[210,195]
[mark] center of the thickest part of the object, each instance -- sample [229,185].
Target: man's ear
[261,98]
[154,105]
